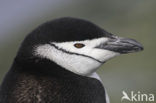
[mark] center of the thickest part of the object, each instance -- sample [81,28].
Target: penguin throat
[78,64]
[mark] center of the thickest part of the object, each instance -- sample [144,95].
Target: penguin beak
[121,45]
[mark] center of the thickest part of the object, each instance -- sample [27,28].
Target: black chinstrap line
[74,53]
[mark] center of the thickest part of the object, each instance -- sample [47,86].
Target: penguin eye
[79,45]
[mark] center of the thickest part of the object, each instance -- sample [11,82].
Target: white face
[80,57]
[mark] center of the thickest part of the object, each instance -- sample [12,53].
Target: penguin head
[77,45]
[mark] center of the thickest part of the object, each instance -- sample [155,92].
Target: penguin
[57,63]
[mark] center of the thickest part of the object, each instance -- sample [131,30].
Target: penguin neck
[42,78]
[44,67]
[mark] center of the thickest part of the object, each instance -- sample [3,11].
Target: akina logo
[137,96]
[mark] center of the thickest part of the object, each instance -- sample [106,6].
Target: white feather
[79,64]
[74,63]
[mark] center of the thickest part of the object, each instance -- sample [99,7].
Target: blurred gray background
[129,18]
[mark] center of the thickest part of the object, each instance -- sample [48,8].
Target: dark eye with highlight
[79,45]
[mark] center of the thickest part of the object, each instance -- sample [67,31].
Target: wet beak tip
[141,48]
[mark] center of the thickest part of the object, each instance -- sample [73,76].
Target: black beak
[121,45]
